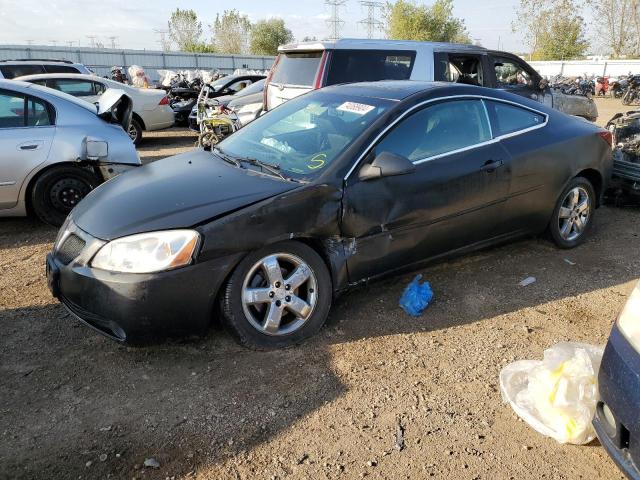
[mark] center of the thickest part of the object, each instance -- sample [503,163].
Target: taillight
[320,75]
[607,136]
[164,101]
[266,82]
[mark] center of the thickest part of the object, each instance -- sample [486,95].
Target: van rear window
[297,68]
[349,66]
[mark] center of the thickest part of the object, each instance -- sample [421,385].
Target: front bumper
[619,385]
[136,308]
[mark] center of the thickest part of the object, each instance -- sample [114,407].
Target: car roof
[374,44]
[45,76]
[49,94]
[38,61]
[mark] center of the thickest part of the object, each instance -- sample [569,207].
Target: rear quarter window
[297,68]
[350,66]
[507,118]
[61,69]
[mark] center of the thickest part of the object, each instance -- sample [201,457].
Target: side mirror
[543,84]
[386,164]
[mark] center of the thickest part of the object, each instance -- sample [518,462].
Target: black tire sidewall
[235,319]
[554,228]
[135,124]
[40,193]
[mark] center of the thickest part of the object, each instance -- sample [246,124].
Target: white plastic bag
[556,396]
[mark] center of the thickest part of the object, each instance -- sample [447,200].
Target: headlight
[148,252]
[629,320]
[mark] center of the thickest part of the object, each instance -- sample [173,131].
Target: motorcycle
[632,94]
[618,86]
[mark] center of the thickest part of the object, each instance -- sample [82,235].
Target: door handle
[491,165]
[32,146]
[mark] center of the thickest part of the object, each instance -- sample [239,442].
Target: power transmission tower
[29,42]
[334,21]
[54,42]
[92,39]
[371,22]
[164,42]
[70,43]
[113,41]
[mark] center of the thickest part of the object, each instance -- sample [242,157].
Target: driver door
[452,200]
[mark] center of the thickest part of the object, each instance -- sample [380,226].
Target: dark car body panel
[177,192]
[362,229]
[619,386]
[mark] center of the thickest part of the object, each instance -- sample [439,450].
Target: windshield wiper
[226,157]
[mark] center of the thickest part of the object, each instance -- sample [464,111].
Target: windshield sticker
[317,161]
[359,108]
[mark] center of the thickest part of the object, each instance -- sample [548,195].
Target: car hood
[177,192]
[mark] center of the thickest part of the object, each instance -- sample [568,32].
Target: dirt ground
[76,405]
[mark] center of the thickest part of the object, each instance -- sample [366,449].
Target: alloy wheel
[574,214]
[279,294]
[133,132]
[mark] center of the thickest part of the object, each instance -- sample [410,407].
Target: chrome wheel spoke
[565,231]
[574,196]
[271,268]
[583,206]
[252,296]
[579,224]
[565,212]
[273,319]
[298,277]
[299,307]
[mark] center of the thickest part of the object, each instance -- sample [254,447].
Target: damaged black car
[329,190]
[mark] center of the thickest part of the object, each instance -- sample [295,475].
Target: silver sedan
[54,148]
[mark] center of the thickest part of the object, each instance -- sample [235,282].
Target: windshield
[305,135]
[221,82]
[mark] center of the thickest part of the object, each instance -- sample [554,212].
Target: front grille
[70,249]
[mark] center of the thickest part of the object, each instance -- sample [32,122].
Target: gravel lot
[76,405]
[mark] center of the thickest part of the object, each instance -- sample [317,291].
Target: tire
[135,132]
[58,190]
[572,222]
[247,320]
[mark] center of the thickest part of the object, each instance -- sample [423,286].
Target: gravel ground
[76,405]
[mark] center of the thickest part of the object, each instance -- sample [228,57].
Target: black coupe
[329,190]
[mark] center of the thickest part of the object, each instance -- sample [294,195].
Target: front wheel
[278,296]
[573,215]
[58,190]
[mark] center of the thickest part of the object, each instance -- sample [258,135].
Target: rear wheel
[58,190]
[135,132]
[278,296]
[573,215]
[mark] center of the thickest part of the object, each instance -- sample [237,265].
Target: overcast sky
[133,22]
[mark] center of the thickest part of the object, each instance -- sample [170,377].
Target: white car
[151,110]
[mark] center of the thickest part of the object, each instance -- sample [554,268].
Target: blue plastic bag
[416,297]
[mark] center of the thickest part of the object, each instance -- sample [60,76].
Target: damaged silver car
[625,129]
[54,148]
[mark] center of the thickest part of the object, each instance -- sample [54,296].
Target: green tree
[406,20]
[268,35]
[553,29]
[186,31]
[231,32]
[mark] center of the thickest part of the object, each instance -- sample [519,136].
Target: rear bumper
[159,119]
[626,175]
[619,385]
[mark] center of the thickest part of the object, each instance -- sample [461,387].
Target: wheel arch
[138,118]
[32,181]
[595,177]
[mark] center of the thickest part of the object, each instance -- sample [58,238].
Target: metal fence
[100,60]
[574,68]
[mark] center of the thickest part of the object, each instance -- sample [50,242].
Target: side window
[438,129]
[77,88]
[459,68]
[240,85]
[11,110]
[507,118]
[349,66]
[61,69]
[37,113]
[13,71]
[510,73]
[98,88]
